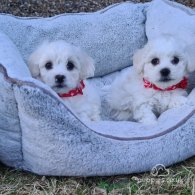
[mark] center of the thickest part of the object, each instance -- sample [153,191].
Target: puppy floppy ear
[34,59]
[190,53]
[87,64]
[138,60]
[33,64]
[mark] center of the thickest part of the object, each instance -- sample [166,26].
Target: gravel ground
[52,7]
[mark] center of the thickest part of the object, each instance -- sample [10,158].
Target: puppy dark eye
[175,60]
[70,66]
[155,61]
[48,65]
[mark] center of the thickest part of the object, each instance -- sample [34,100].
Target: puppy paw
[178,102]
[121,115]
[95,118]
[145,115]
[148,121]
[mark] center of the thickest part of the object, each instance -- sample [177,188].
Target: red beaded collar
[181,85]
[74,92]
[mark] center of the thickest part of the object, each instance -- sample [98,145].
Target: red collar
[74,92]
[181,85]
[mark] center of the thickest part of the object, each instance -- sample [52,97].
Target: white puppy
[156,82]
[64,68]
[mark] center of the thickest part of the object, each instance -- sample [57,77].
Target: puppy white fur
[163,62]
[62,66]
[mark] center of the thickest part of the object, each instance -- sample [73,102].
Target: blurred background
[47,8]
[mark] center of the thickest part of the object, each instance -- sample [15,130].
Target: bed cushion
[110,36]
[168,17]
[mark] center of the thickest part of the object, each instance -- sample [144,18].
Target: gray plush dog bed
[38,133]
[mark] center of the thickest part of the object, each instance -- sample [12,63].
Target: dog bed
[38,133]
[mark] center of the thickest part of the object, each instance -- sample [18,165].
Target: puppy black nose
[165,72]
[59,78]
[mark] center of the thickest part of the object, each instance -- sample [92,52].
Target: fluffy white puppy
[64,68]
[156,82]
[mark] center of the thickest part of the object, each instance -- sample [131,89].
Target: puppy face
[60,65]
[163,62]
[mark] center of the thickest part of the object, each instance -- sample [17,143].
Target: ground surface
[181,177]
[53,7]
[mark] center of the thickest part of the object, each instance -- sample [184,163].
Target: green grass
[181,180]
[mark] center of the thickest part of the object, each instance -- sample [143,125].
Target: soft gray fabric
[167,17]
[110,36]
[40,134]
[10,131]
